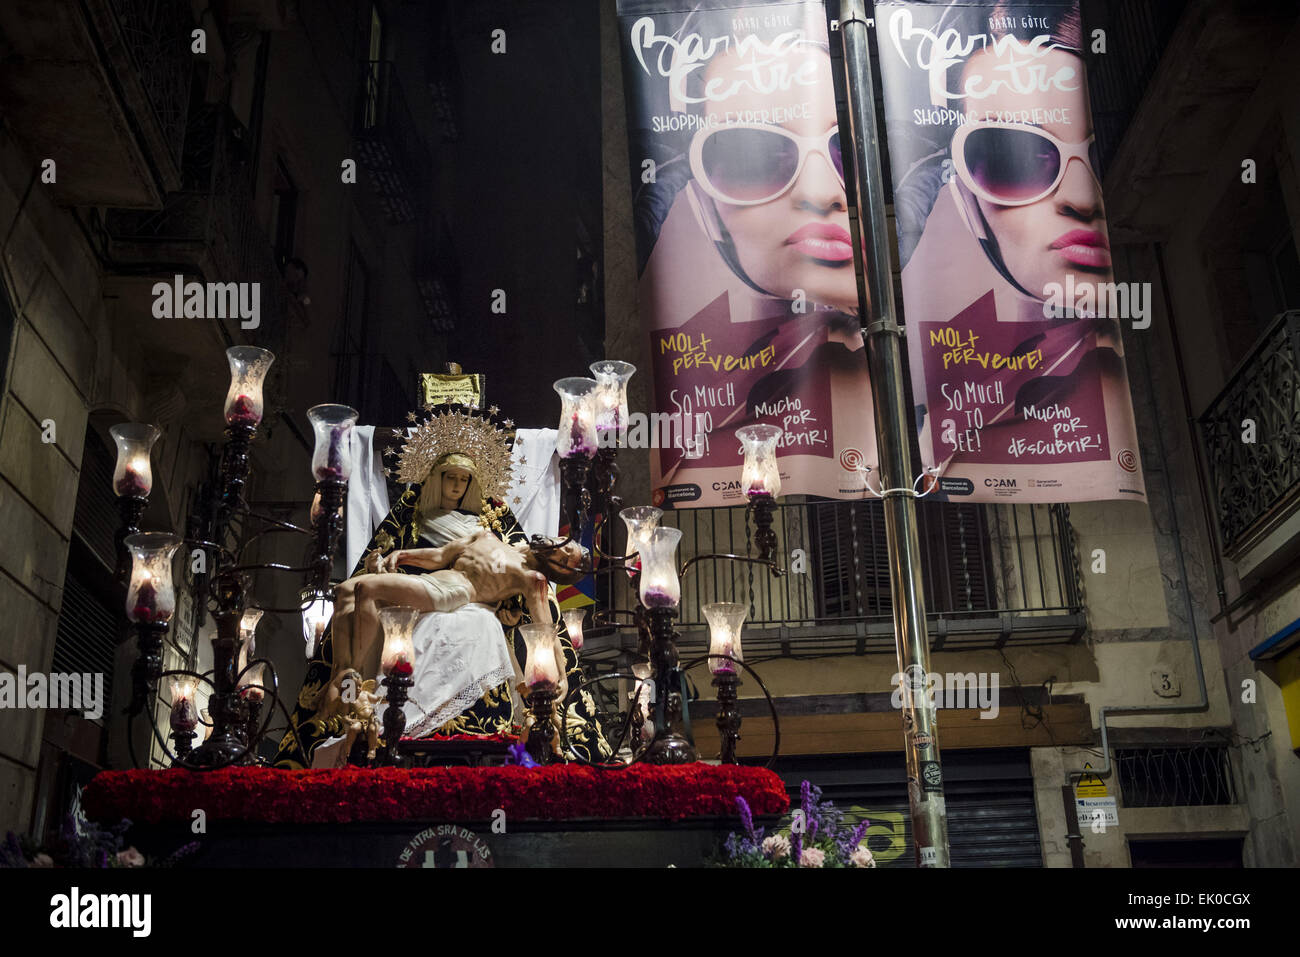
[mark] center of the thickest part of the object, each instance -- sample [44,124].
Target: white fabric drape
[367,494]
[536,482]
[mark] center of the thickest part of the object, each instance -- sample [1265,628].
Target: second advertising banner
[1012,310]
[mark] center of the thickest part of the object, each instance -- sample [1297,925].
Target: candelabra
[238,687]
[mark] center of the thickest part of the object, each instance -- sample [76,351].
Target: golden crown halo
[452,428]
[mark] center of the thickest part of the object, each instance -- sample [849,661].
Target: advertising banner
[747,289]
[1010,302]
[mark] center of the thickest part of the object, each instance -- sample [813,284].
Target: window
[350,350]
[284,214]
[851,560]
[1175,777]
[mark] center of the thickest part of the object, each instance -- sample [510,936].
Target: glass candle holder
[316,613]
[541,670]
[577,430]
[398,622]
[573,625]
[185,715]
[251,684]
[248,635]
[332,458]
[760,473]
[660,586]
[248,626]
[611,400]
[641,521]
[133,475]
[725,619]
[248,368]
[150,597]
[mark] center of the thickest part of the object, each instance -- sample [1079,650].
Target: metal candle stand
[184,741]
[396,687]
[669,746]
[540,743]
[728,717]
[761,507]
[147,667]
[130,510]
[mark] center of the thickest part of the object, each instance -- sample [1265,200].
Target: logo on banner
[1127,460]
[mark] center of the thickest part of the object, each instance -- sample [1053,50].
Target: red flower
[555,793]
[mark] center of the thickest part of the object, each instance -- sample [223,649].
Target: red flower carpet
[556,793]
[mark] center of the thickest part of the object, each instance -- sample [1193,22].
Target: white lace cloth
[459,657]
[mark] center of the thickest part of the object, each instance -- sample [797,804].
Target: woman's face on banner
[798,240]
[1064,231]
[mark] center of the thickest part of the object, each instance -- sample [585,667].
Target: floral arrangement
[82,843]
[551,793]
[822,841]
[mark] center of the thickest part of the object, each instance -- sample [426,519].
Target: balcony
[1257,483]
[209,226]
[994,576]
[388,146]
[437,273]
[101,87]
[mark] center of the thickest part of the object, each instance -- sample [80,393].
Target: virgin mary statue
[457,466]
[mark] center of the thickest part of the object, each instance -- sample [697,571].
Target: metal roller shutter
[992,821]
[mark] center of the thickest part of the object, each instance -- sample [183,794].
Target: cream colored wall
[1130,595]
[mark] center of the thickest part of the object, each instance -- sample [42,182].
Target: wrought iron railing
[156,35]
[389,144]
[1175,777]
[993,575]
[1252,435]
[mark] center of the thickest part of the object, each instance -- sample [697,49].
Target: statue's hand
[374,563]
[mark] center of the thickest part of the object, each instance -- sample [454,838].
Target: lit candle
[577,428]
[243,411]
[133,475]
[135,478]
[398,659]
[641,521]
[660,585]
[150,597]
[760,474]
[331,459]
[611,399]
[573,625]
[725,620]
[184,716]
[541,671]
[250,686]
[248,368]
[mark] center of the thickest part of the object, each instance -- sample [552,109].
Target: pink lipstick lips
[1084,247]
[824,241]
